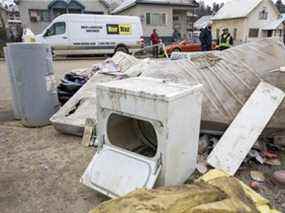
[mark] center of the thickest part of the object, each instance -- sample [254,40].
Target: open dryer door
[116,172]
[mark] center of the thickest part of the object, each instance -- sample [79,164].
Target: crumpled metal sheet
[229,77]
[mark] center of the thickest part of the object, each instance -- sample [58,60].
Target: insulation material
[213,192]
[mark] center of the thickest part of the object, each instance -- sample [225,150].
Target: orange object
[185,46]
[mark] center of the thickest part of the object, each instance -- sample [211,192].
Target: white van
[71,34]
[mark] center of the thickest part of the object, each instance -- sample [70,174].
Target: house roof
[202,22]
[65,3]
[236,9]
[130,3]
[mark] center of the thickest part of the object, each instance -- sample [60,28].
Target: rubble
[246,128]
[70,119]
[228,77]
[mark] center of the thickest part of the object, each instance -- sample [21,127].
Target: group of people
[155,40]
[224,41]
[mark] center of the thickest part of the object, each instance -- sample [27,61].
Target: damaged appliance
[147,132]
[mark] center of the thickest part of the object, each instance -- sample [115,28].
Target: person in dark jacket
[206,38]
[176,36]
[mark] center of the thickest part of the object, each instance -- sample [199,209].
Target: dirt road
[40,168]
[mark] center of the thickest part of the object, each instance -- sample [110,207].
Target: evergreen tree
[280,6]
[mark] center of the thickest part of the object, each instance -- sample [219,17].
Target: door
[116,172]
[56,35]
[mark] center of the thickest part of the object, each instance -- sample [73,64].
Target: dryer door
[116,172]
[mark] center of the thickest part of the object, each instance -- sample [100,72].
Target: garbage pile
[228,78]
[71,117]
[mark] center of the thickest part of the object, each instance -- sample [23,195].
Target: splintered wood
[241,135]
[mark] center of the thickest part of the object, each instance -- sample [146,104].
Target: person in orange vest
[154,41]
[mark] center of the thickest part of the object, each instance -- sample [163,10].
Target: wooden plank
[89,132]
[246,128]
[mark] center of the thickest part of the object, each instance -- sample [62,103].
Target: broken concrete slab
[244,131]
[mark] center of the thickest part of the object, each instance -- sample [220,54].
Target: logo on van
[119,29]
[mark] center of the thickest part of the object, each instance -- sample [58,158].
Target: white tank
[33,83]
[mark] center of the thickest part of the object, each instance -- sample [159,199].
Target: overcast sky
[210,2]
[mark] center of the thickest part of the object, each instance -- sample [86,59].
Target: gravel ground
[40,168]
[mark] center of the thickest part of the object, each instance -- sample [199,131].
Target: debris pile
[71,117]
[243,91]
[228,77]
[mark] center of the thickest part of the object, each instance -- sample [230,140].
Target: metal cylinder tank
[33,80]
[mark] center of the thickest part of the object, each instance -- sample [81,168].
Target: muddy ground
[40,168]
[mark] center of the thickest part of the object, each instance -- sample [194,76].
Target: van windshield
[56,29]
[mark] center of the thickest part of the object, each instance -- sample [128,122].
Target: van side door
[56,35]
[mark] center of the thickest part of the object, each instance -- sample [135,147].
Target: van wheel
[122,49]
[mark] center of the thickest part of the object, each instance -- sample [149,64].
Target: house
[163,15]
[249,20]
[10,24]
[203,22]
[37,14]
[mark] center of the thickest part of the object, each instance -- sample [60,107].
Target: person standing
[225,41]
[176,36]
[206,38]
[154,41]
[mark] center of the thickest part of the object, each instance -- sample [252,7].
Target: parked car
[72,34]
[185,46]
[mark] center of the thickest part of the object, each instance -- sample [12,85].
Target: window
[56,29]
[253,33]
[39,15]
[44,16]
[175,18]
[94,12]
[235,34]
[263,15]
[156,19]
